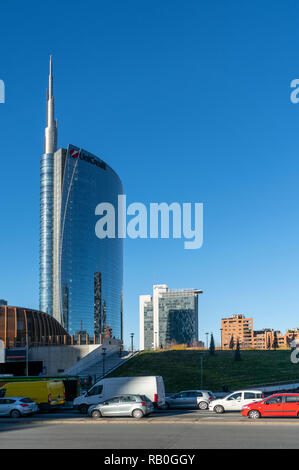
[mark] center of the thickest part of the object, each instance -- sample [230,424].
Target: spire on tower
[50,144]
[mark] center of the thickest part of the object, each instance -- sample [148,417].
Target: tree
[212,346]
[237,351]
[275,342]
[231,343]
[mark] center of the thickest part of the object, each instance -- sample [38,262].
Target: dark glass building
[80,274]
[87,271]
[168,316]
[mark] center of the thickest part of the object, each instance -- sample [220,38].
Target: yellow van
[46,394]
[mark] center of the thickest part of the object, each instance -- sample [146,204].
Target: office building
[168,317]
[80,274]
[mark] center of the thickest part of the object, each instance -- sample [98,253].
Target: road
[167,430]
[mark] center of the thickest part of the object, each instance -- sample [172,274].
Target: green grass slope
[181,369]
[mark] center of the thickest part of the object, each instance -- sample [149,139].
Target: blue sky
[188,102]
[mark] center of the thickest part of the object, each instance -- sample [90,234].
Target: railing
[102,376]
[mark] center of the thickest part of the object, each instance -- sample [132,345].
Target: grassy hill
[181,369]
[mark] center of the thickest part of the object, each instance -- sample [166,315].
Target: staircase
[92,364]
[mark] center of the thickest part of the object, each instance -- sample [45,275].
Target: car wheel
[202,405]
[254,414]
[137,414]
[167,406]
[15,414]
[219,409]
[96,414]
[83,409]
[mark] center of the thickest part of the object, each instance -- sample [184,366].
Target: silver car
[190,399]
[15,407]
[137,406]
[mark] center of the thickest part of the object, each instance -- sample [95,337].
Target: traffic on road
[136,398]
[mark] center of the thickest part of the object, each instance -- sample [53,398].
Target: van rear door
[160,390]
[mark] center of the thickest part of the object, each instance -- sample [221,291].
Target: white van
[151,386]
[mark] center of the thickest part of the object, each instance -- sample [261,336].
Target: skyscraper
[80,275]
[46,204]
[168,316]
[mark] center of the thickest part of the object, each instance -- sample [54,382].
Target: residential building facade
[237,327]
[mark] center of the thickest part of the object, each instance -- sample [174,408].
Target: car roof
[247,390]
[126,394]
[284,394]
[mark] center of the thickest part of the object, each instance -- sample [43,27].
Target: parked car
[150,386]
[15,407]
[137,406]
[235,401]
[282,404]
[190,399]
[45,393]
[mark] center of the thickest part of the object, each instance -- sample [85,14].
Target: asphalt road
[147,436]
[165,430]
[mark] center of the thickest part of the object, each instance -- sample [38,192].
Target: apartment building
[239,328]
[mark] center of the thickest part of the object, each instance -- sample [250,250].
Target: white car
[235,401]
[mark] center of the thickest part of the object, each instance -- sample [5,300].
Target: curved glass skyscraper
[81,275]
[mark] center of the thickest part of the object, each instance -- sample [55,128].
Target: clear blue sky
[187,101]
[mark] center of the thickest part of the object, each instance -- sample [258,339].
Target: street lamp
[221,338]
[104,354]
[156,345]
[207,342]
[132,343]
[201,370]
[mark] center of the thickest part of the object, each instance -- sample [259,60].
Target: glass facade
[177,318]
[46,233]
[168,317]
[148,325]
[85,282]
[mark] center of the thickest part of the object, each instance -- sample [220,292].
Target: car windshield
[144,398]
[26,400]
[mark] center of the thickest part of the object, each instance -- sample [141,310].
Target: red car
[280,404]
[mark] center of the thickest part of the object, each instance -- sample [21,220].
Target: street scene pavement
[173,429]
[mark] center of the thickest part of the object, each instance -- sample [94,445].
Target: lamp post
[207,342]
[104,354]
[132,343]
[156,345]
[27,355]
[201,369]
[221,338]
